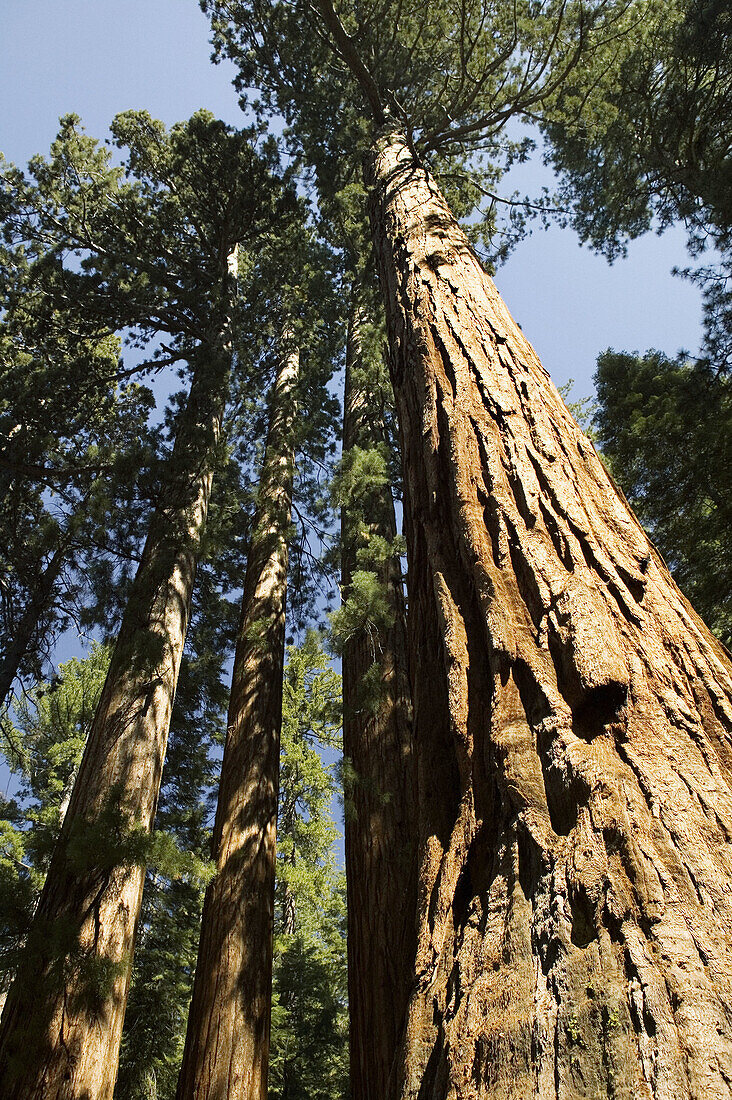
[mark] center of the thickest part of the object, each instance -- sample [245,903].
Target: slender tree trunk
[289,927]
[573,721]
[380,837]
[289,912]
[227,1043]
[62,1024]
[25,631]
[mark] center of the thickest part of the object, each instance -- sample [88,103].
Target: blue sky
[97,57]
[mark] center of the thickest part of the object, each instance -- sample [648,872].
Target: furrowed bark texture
[572,721]
[227,1042]
[62,1022]
[380,833]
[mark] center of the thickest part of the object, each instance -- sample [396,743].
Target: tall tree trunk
[62,1023]
[227,1042]
[573,720]
[380,833]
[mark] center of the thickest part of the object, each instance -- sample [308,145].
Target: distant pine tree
[309,1042]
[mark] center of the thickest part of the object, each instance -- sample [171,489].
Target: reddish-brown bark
[62,1022]
[380,838]
[572,721]
[227,1042]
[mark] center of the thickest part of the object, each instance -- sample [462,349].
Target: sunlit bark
[227,1042]
[62,1022]
[572,720]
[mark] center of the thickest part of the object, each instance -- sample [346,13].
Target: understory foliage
[42,747]
[43,738]
[309,1054]
[363,487]
[665,426]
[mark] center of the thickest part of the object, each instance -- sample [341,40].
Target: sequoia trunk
[572,720]
[380,838]
[227,1042]
[62,1022]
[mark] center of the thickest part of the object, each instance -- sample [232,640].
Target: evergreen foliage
[74,441]
[366,481]
[43,738]
[649,139]
[646,144]
[665,426]
[446,82]
[309,1053]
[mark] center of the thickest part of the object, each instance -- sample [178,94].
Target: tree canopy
[536,779]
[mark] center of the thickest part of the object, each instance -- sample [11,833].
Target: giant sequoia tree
[161,256]
[571,713]
[227,1042]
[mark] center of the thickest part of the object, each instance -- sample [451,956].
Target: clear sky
[97,57]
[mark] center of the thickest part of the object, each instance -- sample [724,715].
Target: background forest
[194,384]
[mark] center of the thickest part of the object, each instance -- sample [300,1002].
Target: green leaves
[449,75]
[309,1054]
[309,1013]
[366,609]
[362,472]
[50,725]
[649,137]
[646,143]
[665,425]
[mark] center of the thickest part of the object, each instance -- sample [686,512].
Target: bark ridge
[572,720]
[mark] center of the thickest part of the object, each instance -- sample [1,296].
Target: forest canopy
[364,701]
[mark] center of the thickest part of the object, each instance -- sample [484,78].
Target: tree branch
[347,49]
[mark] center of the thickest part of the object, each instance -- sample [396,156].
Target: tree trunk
[380,837]
[227,1042]
[572,720]
[289,911]
[62,1024]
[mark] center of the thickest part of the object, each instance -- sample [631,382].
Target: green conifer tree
[43,739]
[74,444]
[309,1043]
[554,952]
[646,144]
[665,426]
[159,255]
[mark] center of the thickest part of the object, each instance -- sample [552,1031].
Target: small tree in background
[309,1044]
[42,745]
